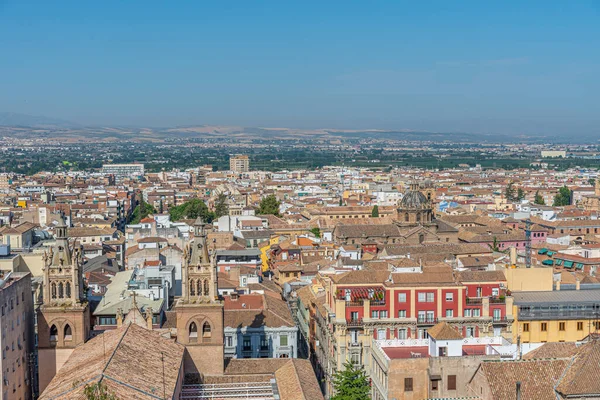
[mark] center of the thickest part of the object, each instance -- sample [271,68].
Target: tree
[592,181]
[351,383]
[269,205]
[341,202]
[221,206]
[141,211]
[375,211]
[509,192]
[495,245]
[316,231]
[539,199]
[98,391]
[520,194]
[563,197]
[191,209]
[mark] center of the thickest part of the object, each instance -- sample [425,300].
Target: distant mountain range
[28,126]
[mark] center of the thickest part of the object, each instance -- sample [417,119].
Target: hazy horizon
[467,67]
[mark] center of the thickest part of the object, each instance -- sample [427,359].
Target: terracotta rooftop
[443,331]
[125,360]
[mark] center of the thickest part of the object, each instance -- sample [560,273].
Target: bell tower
[199,310]
[64,316]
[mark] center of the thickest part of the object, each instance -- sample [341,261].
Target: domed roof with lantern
[413,199]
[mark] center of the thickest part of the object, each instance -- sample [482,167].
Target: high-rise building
[64,317]
[123,170]
[239,163]
[16,324]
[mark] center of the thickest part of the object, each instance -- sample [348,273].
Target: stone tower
[64,316]
[199,310]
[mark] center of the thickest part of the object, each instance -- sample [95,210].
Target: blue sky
[506,67]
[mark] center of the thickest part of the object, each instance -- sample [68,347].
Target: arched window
[53,333]
[206,330]
[61,291]
[199,283]
[418,217]
[68,332]
[421,238]
[68,289]
[206,284]
[406,217]
[53,290]
[193,332]
[192,288]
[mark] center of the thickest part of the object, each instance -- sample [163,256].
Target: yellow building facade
[555,316]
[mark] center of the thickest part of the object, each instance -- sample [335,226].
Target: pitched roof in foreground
[127,360]
[537,377]
[553,350]
[581,378]
[296,381]
[295,378]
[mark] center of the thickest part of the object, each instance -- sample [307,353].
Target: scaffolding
[231,391]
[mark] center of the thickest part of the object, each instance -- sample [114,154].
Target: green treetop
[269,205]
[351,383]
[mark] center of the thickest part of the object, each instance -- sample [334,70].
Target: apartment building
[556,315]
[16,323]
[363,306]
[239,163]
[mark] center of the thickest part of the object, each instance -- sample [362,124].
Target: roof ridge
[113,352]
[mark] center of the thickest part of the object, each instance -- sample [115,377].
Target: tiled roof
[537,377]
[124,359]
[481,276]
[443,331]
[296,381]
[552,350]
[581,377]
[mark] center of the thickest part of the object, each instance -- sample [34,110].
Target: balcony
[427,320]
[354,322]
[474,301]
[497,300]
[354,345]
[536,315]
[357,303]
[378,302]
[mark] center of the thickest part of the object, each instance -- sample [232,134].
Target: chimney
[577,284]
[518,390]
[557,285]
[513,256]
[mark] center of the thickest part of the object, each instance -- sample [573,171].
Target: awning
[542,251]
[548,262]
[568,264]
[436,377]
[550,253]
[559,262]
[579,266]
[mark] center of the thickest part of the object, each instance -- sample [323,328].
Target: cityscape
[299,201]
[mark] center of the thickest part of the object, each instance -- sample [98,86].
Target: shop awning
[559,262]
[548,262]
[568,264]
[550,253]
[579,266]
[542,251]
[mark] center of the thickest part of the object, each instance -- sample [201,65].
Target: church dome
[413,199]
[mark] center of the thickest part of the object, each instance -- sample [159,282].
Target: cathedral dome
[413,199]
